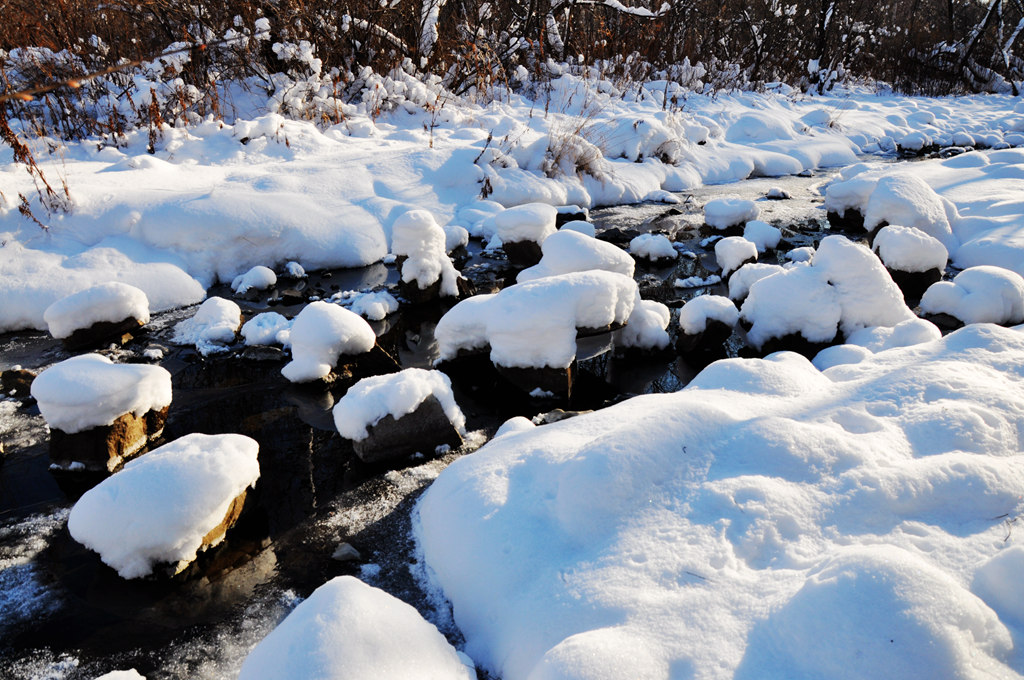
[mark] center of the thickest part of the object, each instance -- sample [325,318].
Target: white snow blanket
[347,630]
[768,521]
[159,507]
[90,390]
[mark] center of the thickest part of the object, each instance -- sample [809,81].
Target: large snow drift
[768,521]
[159,507]
[347,630]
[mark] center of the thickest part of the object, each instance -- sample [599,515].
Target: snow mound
[909,249]
[907,200]
[159,507]
[267,328]
[131,674]
[646,328]
[257,278]
[694,315]
[747,275]
[527,222]
[212,326]
[732,252]
[111,302]
[722,213]
[372,399]
[90,391]
[565,252]
[347,630]
[984,294]
[585,228]
[320,334]
[762,235]
[373,306]
[417,236]
[996,582]
[653,247]
[770,497]
[803,254]
[533,324]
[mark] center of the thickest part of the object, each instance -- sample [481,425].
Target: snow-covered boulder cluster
[870,497]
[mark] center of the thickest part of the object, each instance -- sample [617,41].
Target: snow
[565,252]
[373,306]
[762,234]
[371,399]
[416,235]
[533,324]
[732,252]
[653,247]
[257,278]
[722,213]
[768,496]
[111,302]
[266,328]
[347,630]
[295,270]
[157,509]
[527,222]
[909,249]
[982,294]
[906,200]
[744,277]
[694,315]
[90,390]
[320,334]
[130,674]
[213,326]
[802,254]
[697,281]
[585,228]
[646,327]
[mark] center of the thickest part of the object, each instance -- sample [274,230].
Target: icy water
[63,614]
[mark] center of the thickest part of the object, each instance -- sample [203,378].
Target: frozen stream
[63,614]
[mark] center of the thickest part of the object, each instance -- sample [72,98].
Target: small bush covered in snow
[111,302]
[159,507]
[570,251]
[978,295]
[371,399]
[90,390]
[320,334]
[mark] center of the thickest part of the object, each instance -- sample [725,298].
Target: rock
[346,553]
[710,341]
[851,222]
[795,342]
[106,448]
[570,214]
[422,431]
[558,381]
[914,284]
[17,382]
[419,296]
[103,333]
[522,254]
[945,322]
[618,235]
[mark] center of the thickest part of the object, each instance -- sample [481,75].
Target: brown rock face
[105,448]
[17,382]
[423,430]
[103,333]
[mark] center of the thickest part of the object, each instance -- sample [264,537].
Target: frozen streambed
[68,616]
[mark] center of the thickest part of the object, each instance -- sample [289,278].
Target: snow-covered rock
[213,326]
[905,199]
[528,222]
[373,306]
[534,324]
[565,252]
[266,328]
[732,252]
[320,334]
[762,235]
[695,314]
[585,228]
[257,278]
[347,630]
[107,302]
[653,247]
[90,390]
[744,277]
[978,295]
[167,505]
[417,236]
[867,496]
[130,674]
[722,213]
[909,249]
[646,327]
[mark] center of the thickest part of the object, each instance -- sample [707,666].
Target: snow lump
[978,294]
[109,302]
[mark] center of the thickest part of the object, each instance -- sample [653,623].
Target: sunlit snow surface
[768,521]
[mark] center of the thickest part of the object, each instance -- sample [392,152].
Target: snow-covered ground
[778,518]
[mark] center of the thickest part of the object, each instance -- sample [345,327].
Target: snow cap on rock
[722,213]
[110,302]
[372,399]
[978,295]
[320,334]
[694,315]
[565,252]
[909,249]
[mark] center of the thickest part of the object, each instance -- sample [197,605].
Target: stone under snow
[534,324]
[909,249]
[107,302]
[90,390]
[646,327]
[347,630]
[907,200]
[213,326]
[527,222]
[762,235]
[978,295]
[653,247]
[732,252]
[257,278]
[320,334]
[695,314]
[417,236]
[159,508]
[565,252]
[722,213]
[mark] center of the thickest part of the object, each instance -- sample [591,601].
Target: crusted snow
[90,390]
[320,334]
[371,399]
[111,302]
[159,507]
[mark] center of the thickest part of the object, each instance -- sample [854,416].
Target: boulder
[914,284]
[423,430]
[103,333]
[107,447]
[17,382]
[522,254]
[850,222]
